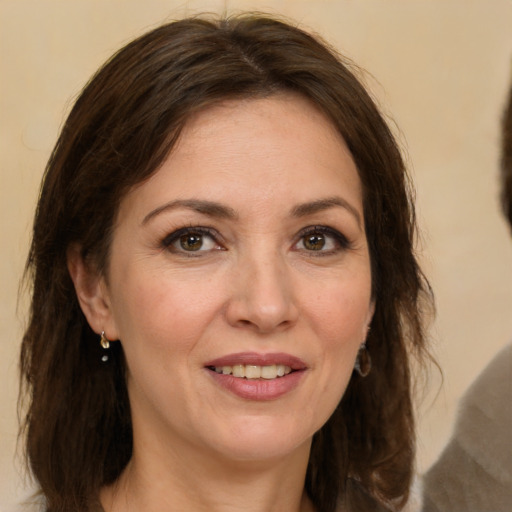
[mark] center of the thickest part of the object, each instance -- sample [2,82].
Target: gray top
[474,472]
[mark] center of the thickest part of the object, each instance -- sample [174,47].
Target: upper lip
[257,359]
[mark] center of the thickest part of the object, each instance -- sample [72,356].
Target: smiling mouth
[252,372]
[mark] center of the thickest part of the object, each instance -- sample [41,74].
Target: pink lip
[258,389]
[259,360]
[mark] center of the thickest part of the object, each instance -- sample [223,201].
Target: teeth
[269,372]
[238,370]
[250,371]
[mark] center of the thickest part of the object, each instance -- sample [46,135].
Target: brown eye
[191,242]
[322,240]
[314,242]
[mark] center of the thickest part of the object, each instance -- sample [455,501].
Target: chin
[264,438]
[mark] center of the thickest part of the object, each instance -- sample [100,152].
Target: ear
[92,293]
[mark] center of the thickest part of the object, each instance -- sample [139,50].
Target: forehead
[274,149]
[271,124]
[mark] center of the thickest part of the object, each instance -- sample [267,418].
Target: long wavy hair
[77,425]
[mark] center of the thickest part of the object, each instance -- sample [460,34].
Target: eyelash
[341,241]
[202,231]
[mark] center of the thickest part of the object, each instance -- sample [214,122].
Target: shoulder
[474,472]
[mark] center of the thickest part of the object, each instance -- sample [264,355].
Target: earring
[363,364]
[105,345]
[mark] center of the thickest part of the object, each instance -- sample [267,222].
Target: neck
[172,480]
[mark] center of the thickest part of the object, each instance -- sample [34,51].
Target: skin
[275,166]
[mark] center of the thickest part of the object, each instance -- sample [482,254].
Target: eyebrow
[214,209]
[210,208]
[302,210]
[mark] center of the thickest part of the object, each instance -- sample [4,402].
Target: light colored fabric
[415,498]
[474,472]
[27,505]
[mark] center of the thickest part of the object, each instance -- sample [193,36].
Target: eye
[190,240]
[315,241]
[321,239]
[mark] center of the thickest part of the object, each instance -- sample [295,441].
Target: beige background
[441,67]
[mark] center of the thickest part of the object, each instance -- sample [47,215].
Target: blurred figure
[474,473]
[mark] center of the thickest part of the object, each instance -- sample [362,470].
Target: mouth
[252,372]
[257,377]
[253,366]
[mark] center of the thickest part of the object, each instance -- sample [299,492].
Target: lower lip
[258,389]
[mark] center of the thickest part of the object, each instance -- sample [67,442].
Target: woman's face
[239,282]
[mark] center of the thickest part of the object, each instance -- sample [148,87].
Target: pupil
[191,242]
[314,242]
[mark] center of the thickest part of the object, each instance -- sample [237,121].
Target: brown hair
[125,122]
[506,160]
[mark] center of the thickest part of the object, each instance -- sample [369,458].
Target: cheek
[340,318]
[162,313]
[161,324]
[342,312]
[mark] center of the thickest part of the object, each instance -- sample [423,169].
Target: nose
[262,297]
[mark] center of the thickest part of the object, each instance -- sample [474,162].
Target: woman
[225,295]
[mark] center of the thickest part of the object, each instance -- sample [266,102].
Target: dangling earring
[105,345]
[363,364]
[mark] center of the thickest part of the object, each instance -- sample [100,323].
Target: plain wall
[439,68]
